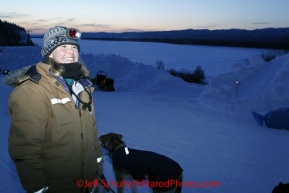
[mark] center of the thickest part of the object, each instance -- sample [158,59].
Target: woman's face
[66,53]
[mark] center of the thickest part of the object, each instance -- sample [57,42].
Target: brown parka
[52,142]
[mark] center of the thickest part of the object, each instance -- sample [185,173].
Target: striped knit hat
[57,36]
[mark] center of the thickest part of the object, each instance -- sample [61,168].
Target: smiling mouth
[69,59]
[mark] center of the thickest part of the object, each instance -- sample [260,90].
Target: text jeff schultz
[151,184]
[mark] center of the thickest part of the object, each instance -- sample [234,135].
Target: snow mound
[261,85]
[136,77]
[254,80]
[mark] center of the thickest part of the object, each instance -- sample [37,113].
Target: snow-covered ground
[208,129]
[175,56]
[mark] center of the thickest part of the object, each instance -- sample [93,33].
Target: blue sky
[145,15]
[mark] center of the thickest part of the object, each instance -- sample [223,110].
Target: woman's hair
[55,68]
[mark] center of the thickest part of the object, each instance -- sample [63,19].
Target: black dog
[281,188]
[162,173]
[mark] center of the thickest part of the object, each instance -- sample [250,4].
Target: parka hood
[30,72]
[17,77]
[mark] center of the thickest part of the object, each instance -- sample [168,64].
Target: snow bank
[136,77]
[259,83]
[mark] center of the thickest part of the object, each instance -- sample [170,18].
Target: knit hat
[57,36]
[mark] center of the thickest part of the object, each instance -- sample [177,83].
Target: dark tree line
[13,35]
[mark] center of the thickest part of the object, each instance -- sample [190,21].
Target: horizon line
[140,31]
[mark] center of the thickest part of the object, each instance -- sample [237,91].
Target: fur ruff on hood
[21,75]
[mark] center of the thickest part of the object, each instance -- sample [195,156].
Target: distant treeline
[272,38]
[278,45]
[13,35]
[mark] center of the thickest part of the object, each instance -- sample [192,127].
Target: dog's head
[281,188]
[111,141]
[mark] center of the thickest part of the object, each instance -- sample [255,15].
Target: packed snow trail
[209,144]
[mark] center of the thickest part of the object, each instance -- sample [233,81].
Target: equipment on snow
[103,83]
[100,76]
[276,119]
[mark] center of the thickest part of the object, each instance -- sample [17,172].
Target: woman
[53,138]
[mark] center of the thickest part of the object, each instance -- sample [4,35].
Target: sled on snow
[102,82]
[276,119]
